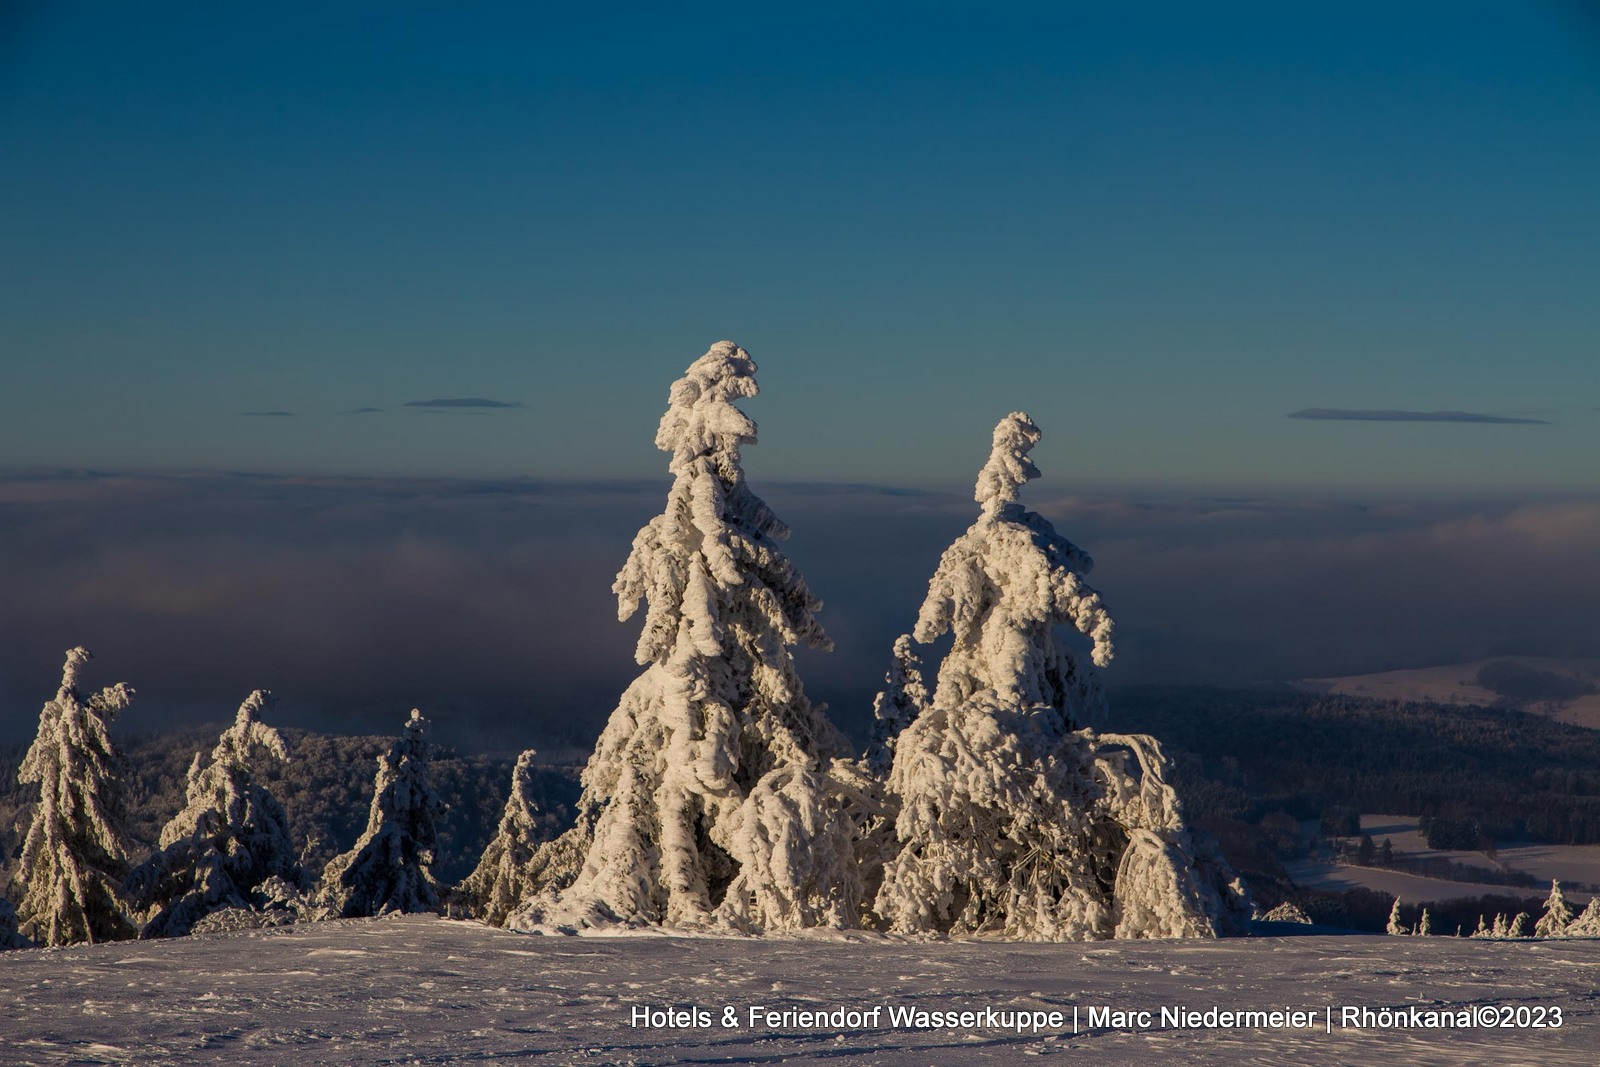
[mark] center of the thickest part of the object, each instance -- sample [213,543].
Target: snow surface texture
[1010,818]
[711,798]
[76,850]
[388,867]
[419,989]
[230,838]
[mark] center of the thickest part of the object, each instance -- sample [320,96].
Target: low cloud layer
[488,604]
[1361,415]
[269,414]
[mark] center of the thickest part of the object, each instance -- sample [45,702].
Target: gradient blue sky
[1159,228]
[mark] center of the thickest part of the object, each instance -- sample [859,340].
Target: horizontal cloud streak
[1361,415]
[463,402]
[269,414]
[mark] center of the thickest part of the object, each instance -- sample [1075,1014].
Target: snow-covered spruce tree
[1010,817]
[388,869]
[76,851]
[714,795]
[1424,925]
[9,937]
[512,865]
[1396,927]
[904,697]
[1587,924]
[230,839]
[1557,914]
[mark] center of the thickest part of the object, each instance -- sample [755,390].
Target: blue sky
[1158,229]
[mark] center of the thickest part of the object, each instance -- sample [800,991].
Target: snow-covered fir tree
[389,868]
[904,697]
[76,850]
[1519,925]
[1424,924]
[1557,914]
[1396,927]
[512,866]
[1586,924]
[230,839]
[713,795]
[1009,816]
[9,936]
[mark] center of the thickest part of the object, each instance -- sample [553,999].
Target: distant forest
[1244,754]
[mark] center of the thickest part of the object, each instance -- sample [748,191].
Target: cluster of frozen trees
[1557,920]
[226,859]
[720,796]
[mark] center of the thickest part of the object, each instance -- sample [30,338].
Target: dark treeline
[325,788]
[1244,754]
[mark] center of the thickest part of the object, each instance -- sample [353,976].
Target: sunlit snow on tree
[711,797]
[1009,817]
[76,851]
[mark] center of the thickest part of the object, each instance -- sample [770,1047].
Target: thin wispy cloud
[269,414]
[463,402]
[1364,415]
[362,411]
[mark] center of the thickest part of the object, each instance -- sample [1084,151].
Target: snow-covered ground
[1456,683]
[425,990]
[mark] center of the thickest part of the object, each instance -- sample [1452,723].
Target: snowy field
[428,991]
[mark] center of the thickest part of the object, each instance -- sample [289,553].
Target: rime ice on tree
[1557,915]
[711,796]
[231,837]
[1010,818]
[512,866]
[388,869]
[76,851]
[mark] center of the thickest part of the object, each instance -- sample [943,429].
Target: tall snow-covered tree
[76,850]
[712,797]
[512,866]
[1586,924]
[1396,927]
[1010,817]
[1557,914]
[231,837]
[389,869]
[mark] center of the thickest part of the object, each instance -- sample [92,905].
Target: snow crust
[419,989]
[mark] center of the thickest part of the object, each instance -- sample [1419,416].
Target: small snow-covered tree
[1587,924]
[712,797]
[1424,925]
[1519,925]
[512,866]
[1010,816]
[1395,925]
[1557,914]
[230,839]
[904,697]
[389,867]
[76,850]
[9,937]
